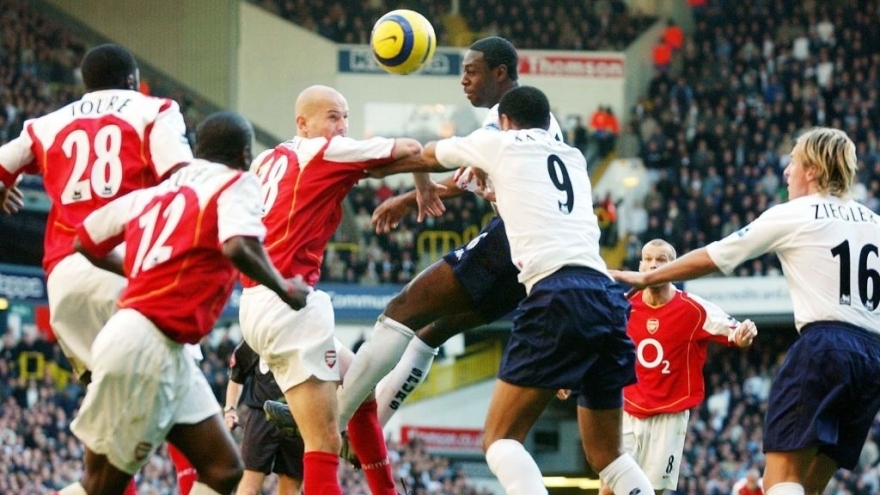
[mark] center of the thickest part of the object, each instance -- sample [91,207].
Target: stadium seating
[716,133]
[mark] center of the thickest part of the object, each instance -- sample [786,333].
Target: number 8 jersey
[106,144]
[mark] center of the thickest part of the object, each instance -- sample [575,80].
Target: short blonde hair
[663,244]
[833,155]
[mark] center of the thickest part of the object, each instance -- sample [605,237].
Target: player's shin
[514,467]
[406,376]
[365,434]
[625,477]
[376,357]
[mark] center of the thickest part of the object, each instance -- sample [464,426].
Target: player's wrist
[228,409]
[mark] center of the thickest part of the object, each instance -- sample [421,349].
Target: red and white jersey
[671,342]
[173,234]
[96,149]
[304,183]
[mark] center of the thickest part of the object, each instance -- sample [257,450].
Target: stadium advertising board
[22,283]
[745,295]
[359,59]
[351,303]
[445,440]
[571,64]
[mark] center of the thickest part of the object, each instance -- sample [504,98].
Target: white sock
[375,358]
[406,376]
[74,489]
[787,488]
[202,489]
[625,477]
[514,467]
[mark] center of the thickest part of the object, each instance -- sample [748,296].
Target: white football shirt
[829,252]
[543,194]
[492,121]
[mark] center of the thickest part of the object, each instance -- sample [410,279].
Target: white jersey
[829,252]
[543,193]
[492,121]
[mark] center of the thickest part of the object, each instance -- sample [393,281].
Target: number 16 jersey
[829,249]
[100,147]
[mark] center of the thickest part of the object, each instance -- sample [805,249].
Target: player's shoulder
[702,302]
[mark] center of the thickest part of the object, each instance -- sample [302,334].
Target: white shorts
[82,297]
[657,444]
[143,383]
[295,344]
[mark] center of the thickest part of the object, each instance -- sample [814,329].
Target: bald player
[304,181]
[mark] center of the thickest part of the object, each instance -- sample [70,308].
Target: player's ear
[505,122]
[501,72]
[301,124]
[247,157]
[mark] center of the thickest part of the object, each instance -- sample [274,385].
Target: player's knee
[223,475]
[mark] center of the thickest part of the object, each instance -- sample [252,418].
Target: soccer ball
[403,41]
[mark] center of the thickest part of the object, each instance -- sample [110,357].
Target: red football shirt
[304,183]
[671,343]
[92,151]
[173,233]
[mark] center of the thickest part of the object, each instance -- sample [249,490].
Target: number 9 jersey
[103,146]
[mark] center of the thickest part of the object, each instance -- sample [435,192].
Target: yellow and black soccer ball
[403,41]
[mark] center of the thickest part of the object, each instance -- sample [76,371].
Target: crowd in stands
[352,22]
[716,134]
[38,453]
[536,24]
[358,255]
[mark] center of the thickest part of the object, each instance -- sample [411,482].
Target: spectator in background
[577,134]
[661,55]
[750,484]
[605,128]
[673,35]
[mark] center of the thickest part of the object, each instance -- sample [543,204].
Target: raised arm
[694,264]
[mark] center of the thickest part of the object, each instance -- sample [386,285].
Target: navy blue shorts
[570,332]
[826,393]
[485,269]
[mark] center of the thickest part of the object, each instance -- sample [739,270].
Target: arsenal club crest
[652,325]
[330,358]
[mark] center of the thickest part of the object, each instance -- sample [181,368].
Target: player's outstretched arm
[390,212]
[693,265]
[248,255]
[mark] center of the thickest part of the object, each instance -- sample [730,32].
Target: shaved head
[225,137]
[321,111]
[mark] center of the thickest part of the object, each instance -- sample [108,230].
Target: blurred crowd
[716,130]
[537,24]
[38,453]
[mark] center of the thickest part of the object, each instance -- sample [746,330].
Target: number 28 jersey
[829,249]
[98,148]
[173,232]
